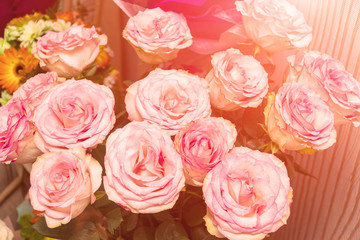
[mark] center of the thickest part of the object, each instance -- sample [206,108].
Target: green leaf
[201,233]
[99,194]
[131,221]
[113,219]
[5,97]
[36,236]
[193,215]
[170,230]
[144,233]
[163,216]
[87,226]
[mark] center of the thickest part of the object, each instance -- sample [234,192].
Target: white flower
[12,33]
[59,25]
[32,31]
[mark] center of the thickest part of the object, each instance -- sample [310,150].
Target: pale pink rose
[34,90]
[17,133]
[236,81]
[144,173]
[248,195]
[202,145]
[70,51]
[156,35]
[274,25]
[330,80]
[5,232]
[169,98]
[63,185]
[214,24]
[76,113]
[297,119]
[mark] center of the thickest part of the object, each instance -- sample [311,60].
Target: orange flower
[73,17]
[14,66]
[103,58]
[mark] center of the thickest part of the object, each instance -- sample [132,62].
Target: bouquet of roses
[192,160]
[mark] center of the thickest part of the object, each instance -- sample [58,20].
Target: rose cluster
[178,131]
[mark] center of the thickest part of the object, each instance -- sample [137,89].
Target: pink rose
[221,17]
[297,119]
[236,81]
[274,25]
[202,145]
[34,90]
[248,195]
[328,78]
[63,184]
[75,114]
[16,133]
[169,98]
[143,170]
[157,36]
[70,51]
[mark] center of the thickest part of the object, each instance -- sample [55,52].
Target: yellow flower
[104,57]
[14,66]
[20,21]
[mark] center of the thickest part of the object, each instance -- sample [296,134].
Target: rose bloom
[76,113]
[202,145]
[144,172]
[248,195]
[70,51]
[16,133]
[34,90]
[157,36]
[5,232]
[274,25]
[221,16]
[329,78]
[236,81]
[297,119]
[169,98]
[63,184]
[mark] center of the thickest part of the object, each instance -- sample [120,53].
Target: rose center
[241,190]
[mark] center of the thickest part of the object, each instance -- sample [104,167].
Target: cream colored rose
[157,36]
[248,195]
[330,80]
[63,184]
[274,25]
[297,119]
[236,81]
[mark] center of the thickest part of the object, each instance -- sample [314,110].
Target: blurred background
[326,206]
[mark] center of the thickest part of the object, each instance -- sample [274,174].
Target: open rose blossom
[5,232]
[17,133]
[274,25]
[76,113]
[221,16]
[34,90]
[157,36]
[248,195]
[169,98]
[70,51]
[144,172]
[297,119]
[63,184]
[328,78]
[202,145]
[236,81]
